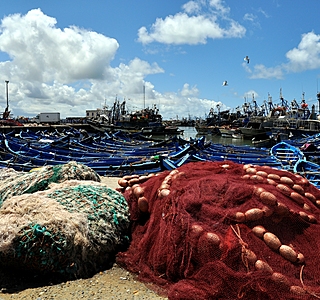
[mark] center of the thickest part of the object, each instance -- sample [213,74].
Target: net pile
[7,172]
[220,230]
[72,229]
[18,183]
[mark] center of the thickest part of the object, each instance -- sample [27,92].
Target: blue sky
[69,56]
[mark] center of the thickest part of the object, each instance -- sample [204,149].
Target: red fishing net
[220,230]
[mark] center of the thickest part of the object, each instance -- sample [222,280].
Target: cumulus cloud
[306,56]
[189,92]
[45,52]
[188,102]
[131,76]
[68,70]
[250,94]
[262,72]
[219,6]
[192,7]
[198,22]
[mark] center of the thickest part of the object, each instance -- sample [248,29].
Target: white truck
[50,117]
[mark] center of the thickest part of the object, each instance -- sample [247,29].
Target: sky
[74,55]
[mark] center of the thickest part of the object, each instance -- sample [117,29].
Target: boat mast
[281,98]
[255,105]
[6,112]
[144,96]
[270,104]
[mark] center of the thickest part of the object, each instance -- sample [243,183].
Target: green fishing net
[18,183]
[73,229]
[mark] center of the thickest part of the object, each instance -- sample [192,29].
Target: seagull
[247,59]
[225,83]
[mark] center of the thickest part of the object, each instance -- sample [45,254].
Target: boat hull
[287,154]
[308,170]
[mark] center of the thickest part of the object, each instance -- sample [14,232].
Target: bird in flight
[225,83]
[247,59]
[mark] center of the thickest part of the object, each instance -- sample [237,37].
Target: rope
[244,247]
[304,286]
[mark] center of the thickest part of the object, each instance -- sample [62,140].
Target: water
[191,132]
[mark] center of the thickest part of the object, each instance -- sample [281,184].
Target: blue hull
[287,154]
[308,170]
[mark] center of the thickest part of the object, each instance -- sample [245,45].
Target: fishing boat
[170,164]
[287,154]
[22,160]
[145,121]
[267,143]
[308,170]
[268,161]
[212,122]
[205,129]
[229,132]
[293,120]
[108,156]
[116,154]
[84,151]
[254,128]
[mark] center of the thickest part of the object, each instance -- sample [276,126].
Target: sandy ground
[114,283]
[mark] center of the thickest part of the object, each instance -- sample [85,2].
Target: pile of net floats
[220,230]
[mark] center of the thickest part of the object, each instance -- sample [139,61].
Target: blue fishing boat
[103,156]
[140,166]
[170,164]
[242,159]
[117,154]
[287,154]
[308,170]
[84,151]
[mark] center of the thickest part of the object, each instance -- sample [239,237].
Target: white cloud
[131,77]
[262,72]
[189,92]
[263,12]
[192,7]
[250,95]
[68,70]
[219,6]
[44,52]
[306,56]
[193,26]
[249,17]
[187,101]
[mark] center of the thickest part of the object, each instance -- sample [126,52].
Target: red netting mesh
[220,230]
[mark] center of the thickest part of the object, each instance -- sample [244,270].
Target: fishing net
[7,173]
[72,229]
[220,230]
[18,183]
